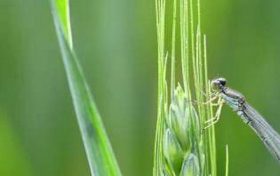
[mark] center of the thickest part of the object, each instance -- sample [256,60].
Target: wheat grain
[181,140]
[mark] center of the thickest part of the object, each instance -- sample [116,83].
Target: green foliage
[115,42]
[100,156]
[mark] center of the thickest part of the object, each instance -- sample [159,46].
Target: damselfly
[248,114]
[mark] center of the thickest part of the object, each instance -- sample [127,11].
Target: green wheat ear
[181,148]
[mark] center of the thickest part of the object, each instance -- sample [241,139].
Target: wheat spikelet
[182,147]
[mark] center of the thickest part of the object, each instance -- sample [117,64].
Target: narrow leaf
[99,153]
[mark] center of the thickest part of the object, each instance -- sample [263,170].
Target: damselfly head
[218,83]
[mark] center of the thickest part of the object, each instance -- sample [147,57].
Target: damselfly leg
[216,118]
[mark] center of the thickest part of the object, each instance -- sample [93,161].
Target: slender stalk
[227,161]
[160,23]
[173,49]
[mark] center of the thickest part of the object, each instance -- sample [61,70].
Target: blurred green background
[116,44]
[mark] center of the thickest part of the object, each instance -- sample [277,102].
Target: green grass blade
[227,161]
[63,13]
[99,153]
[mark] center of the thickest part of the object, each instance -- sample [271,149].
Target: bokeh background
[116,44]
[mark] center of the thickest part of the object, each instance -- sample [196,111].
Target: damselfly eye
[222,81]
[218,83]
